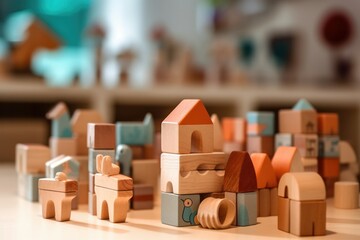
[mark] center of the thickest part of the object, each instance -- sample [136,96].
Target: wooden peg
[346,195]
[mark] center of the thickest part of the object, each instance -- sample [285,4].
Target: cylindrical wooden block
[346,195]
[216,213]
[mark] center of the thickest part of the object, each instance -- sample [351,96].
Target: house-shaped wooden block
[302,204]
[286,159]
[65,164]
[188,128]
[60,121]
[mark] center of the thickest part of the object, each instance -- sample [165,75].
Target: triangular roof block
[56,112]
[303,104]
[82,117]
[240,173]
[286,159]
[189,112]
[265,174]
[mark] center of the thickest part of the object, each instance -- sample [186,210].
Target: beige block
[346,195]
[62,146]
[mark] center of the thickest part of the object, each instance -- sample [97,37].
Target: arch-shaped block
[286,159]
[265,174]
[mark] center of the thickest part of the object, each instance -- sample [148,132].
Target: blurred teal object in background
[62,66]
[19,21]
[3,48]
[246,50]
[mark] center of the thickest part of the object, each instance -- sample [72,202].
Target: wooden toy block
[28,186]
[105,166]
[149,151]
[273,201]
[60,121]
[329,146]
[173,181]
[246,208]
[194,161]
[31,158]
[179,210]
[328,123]
[330,186]
[293,122]
[62,146]
[346,195]
[82,194]
[92,203]
[124,156]
[81,144]
[284,214]
[265,174]
[116,182]
[81,118]
[83,168]
[146,172]
[260,144]
[308,218]
[234,130]
[142,152]
[92,182]
[260,123]
[307,144]
[329,167]
[56,196]
[218,134]
[215,213]
[135,133]
[187,129]
[310,164]
[264,202]
[143,197]
[302,186]
[283,139]
[347,153]
[286,159]
[92,157]
[240,174]
[65,164]
[233,146]
[101,136]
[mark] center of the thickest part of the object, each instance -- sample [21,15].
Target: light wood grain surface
[20,219]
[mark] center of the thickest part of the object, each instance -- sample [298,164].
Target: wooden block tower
[189,167]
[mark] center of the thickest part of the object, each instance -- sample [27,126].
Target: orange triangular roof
[189,112]
[265,174]
[286,159]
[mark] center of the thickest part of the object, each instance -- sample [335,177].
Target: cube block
[101,136]
[260,123]
[292,121]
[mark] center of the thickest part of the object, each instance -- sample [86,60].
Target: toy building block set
[214,174]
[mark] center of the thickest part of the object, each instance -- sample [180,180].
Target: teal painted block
[28,186]
[124,159]
[179,210]
[246,208]
[303,104]
[329,146]
[260,123]
[61,127]
[283,139]
[92,157]
[135,133]
[66,164]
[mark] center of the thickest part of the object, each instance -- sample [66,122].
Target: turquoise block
[28,186]
[179,209]
[61,127]
[246,208]
[124,159]
[260,123]
[329,146]
[135,133]
[92,157]
[303,104]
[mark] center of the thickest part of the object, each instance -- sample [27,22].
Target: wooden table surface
[20,219]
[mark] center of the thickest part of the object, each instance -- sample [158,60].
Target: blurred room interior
[129,57]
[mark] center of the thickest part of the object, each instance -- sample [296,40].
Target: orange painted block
[101,136]
[286,159]
[234,129]
[265,174]
[329,167]
[294,121]
[328,123]
[284,214]
[260,144]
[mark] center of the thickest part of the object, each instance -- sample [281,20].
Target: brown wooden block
[284,214]
[330,186]
[260,144]
[51,184]
[143,197]
[294,121]
[273,201]
[81,144]
[346,195]
[149,151]
[116,182]
[31,158]
[240,174]
[328,123]
[307,144]
[329,167]
[146,172]
[82,194]
[264,202]
[92,203]
[143,152]
[101,136]
[62,146]
[308,218]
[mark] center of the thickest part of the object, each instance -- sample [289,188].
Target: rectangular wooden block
[328,123]
[307,144]
[62,146]
[82,193]
[283,139]
[329,146]
[273,201]
[261,144]
[246,208]
[260,123]
[81,144]
[179,210]
[31,158]
[233,146]
[146,172]
[92,182]
[143,197]
[92,203]
[329,167]
[308,218]
[293,121]
[194,161]
[51,184]
[264,202]
[101,136]
[92,157]
[310,164]
[330,186]
[234,129]
[284,214]
[232,197]
[116,182]
[28,186]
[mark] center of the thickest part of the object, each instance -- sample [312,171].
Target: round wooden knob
[60,176]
